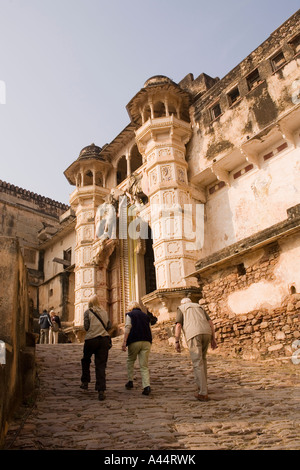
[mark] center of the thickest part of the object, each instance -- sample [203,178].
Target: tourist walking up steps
[45,323]
[97,342]
[138,339]
[199,332]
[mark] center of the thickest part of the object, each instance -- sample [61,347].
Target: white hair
[133,305]
[186,300]
[93,301]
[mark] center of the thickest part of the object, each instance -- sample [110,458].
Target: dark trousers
[98,346]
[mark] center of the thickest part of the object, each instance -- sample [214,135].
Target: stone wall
[41,204]
[265,332]
[32,219]
[17,374]
[25,215]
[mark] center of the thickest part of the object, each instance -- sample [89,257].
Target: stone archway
[121,169]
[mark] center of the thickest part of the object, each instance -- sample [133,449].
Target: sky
[68,68]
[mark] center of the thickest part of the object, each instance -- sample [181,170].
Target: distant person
[54,328]
[138,338]
[97,342]
[45,323]
[199,333]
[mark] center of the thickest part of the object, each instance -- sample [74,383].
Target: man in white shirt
[199,332]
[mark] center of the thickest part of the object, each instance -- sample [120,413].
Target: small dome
[91,151]
[157,80]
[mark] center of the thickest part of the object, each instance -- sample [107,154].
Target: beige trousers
[53,336]
[140,349]
[198,347]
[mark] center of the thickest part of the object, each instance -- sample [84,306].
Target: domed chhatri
[91,151]
[90,161]
[157,80]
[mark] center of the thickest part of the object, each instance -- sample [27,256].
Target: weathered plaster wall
[56,250]
[253,202]
[254,110]
[270,294]
[18,374]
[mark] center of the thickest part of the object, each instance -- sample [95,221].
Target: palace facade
[198,196]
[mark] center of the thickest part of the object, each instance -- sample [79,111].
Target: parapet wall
[25,215]
[45,205]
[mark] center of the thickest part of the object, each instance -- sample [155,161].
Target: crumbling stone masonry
[272,330]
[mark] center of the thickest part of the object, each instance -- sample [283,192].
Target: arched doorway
[136,159]
[113,288]
[150,276]
[121,170]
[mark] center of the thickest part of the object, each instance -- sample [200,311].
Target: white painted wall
[254,201]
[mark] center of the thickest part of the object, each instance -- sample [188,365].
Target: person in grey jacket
[45,323]
[97,342]
[199,332]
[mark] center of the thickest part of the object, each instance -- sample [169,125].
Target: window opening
[159,109]
[253,79]
[99,179]
[278,61]
[295,43]
[215,111]
[121,170]
[136,159]
[88,178]
[234,95]
[68,255]
[241,270]
[172,110]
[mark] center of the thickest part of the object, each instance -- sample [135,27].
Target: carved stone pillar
[173,201]
[85,200]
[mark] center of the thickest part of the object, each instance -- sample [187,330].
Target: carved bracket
[221,174]
[250,157]
[287,134]
[102,252]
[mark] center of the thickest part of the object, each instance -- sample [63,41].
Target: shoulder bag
[100,319]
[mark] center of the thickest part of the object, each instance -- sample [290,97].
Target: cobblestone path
[251,406]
